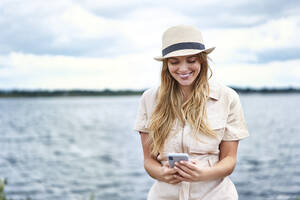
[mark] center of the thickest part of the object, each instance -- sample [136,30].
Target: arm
[189,171]
[152,166]
[227,159]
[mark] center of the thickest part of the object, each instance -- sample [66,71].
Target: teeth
[185,75]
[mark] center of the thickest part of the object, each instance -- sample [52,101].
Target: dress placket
[185,186]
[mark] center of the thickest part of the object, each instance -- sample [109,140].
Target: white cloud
[274,74]
[144,27]
[128,71]
[78,23]
[242,44]
[136,71]
[45,57]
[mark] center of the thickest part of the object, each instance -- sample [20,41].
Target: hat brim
[184,52]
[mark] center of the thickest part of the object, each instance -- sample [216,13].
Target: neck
[187,90]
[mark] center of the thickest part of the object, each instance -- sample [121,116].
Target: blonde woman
[190,113]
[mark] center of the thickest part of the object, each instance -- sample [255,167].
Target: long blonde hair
[170,106]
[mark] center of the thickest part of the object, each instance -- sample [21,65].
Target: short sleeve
[141,117]
[236,128]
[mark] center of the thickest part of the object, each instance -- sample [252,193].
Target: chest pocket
[217,124]
[209,144]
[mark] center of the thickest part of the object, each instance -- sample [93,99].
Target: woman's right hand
[167,173]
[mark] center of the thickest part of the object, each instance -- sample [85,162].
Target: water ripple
[68,148]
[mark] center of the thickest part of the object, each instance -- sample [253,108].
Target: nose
[183,67]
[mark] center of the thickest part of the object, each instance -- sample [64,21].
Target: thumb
[166,164]
[171,171]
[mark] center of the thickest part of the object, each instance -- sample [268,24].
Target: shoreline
[108,92]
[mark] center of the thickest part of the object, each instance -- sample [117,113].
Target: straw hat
[182,40]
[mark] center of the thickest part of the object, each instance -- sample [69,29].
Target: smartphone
[176,157]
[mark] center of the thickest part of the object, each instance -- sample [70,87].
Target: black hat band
[182,45]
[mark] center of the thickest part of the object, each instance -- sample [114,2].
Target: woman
[189,113]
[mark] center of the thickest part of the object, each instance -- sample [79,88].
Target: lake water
[70,148]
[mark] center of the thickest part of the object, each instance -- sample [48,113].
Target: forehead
[183,57]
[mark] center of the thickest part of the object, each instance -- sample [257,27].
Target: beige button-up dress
[225,116]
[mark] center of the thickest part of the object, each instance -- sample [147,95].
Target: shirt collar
[214,91]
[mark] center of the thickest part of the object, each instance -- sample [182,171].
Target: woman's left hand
[191,171]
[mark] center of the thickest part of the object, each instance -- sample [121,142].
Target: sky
[90,44]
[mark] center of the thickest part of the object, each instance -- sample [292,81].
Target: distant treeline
[108,92]
[267,90]
[50,93]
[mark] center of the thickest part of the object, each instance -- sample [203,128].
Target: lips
[186,75]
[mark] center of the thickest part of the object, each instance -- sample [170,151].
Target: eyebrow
[172,58]
[192,56]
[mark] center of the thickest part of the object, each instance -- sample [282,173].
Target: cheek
[196,67]
[172,70]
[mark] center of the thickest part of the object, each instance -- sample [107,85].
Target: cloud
[273,74]
[279,54]
[97,44]
[130,71]
[80,28]
[77,72]
[114,9]
[256,44]
[61,29]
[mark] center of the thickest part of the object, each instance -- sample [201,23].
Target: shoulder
[150,94]
[148,99]
[225,93]
[231,93]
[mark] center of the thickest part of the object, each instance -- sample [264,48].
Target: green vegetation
[63,93]
[108,92]
[92,197]
[265,90]
[2,194]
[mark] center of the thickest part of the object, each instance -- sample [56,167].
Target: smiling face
[184,69]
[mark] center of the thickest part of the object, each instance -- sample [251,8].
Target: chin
[186,83]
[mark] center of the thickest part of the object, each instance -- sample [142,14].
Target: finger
[166,164]
[171,179]
[182,173]
[189,165]
[171,171]
[180,178]
[186,169]
[168,171]
[175,181]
